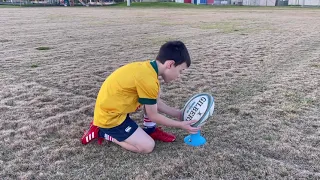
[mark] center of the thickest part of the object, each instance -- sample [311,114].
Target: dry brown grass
[264,77]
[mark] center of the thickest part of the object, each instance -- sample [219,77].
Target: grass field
[262,65]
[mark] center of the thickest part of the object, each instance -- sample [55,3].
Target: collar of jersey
[154,65]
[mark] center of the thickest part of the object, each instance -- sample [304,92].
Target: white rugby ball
[199,107]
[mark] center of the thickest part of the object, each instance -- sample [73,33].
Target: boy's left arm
[164,108]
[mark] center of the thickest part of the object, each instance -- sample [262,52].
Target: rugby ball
[199,107]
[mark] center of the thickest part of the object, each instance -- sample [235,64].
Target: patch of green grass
[268,137]
[172,23]
[158,5]
[187,5]
[233,26]
[174,5]
[308,101]
[298,99]
[164,5]
[315,65]
[26,5]
[43,48]
[57,17]
[293,96]
[161,40]
[294,103]
[34,65]
[291,108]
[9,6]
[225,27]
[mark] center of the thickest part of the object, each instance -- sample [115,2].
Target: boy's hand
[186,125]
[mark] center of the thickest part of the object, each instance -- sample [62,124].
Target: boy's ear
[169,63]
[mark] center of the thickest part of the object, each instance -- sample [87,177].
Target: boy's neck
[161,68]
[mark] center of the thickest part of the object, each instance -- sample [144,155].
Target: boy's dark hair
[174,50]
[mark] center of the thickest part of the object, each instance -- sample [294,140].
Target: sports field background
[262,65]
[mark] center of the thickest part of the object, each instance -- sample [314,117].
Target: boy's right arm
[159,118]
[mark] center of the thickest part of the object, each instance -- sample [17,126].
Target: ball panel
[195,108]
[199,107]
[207,114]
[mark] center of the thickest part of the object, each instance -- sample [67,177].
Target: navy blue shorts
[121,132]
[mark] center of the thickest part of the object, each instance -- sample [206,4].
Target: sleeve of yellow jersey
[148,90]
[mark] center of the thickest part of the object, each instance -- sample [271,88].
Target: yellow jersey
[124,91]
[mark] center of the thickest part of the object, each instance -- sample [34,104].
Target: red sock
[108,137]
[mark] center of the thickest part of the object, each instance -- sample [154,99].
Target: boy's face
[172,72]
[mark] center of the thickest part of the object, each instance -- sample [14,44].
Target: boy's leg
[139,142]
[129,136]
[156,132]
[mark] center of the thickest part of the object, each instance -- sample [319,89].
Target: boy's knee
[148,148]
